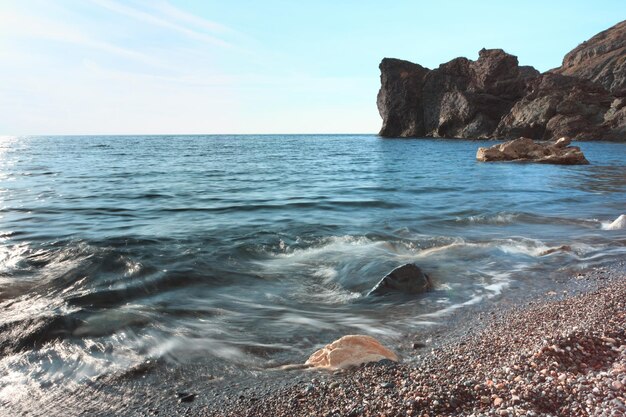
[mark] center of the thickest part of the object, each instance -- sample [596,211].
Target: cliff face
[494,97]
[461,98]
[400,102]
[601,59]
[557,106]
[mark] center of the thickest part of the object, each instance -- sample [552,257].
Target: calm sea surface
[240,253]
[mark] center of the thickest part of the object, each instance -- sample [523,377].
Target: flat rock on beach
[350,350]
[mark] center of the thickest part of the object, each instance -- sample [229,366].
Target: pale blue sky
[134,67]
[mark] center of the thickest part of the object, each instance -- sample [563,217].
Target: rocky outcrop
[461,98]
[527,150]
[400,100]
[496,98]
[407,279]
[601,59]
[350,350]
[556,106]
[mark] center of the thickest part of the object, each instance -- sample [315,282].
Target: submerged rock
[350,350]
[525,149]
[563,248]
[617,224]
[407,278]
[186,397]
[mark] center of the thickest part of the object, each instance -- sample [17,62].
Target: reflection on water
[239,253]
[602,179]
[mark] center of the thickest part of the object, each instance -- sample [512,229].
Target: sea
[238,254]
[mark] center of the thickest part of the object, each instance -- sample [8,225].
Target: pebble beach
[563,355]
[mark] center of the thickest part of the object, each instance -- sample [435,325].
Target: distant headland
[496,98]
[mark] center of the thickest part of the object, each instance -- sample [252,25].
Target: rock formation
[408,279]
[350,350]
[556,106]
[562,248]
[527,150]
[496,98]
[601,59]
[461,98]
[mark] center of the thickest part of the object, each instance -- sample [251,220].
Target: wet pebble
[186,397]
[550,358]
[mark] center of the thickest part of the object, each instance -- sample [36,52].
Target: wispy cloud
[139,66]
[17,24]
[175,13]
[290,82]
[163,21]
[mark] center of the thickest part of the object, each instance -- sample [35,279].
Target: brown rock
[563,248]
[461,98]
[350,350]
[407,278]
[399,99]
[525,149]
[557,106]
[495,97]
[562,142]
[615,117]
[601,59]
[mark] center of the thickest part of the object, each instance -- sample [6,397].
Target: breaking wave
[122,257]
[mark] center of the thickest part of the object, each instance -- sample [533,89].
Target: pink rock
[350,350]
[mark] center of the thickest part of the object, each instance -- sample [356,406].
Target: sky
[245,67]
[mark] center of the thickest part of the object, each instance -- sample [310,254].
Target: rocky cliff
[495,97]
[602,59]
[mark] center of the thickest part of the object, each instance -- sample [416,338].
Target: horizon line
[184,134]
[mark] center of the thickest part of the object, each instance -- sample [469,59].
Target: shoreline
[446,372]
[562,354]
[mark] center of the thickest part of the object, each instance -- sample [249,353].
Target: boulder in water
[350,350]
[407,278]
[527,150]
[563,248]
[617,224]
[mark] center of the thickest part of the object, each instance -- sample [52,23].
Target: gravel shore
[559,356]
[552,347]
